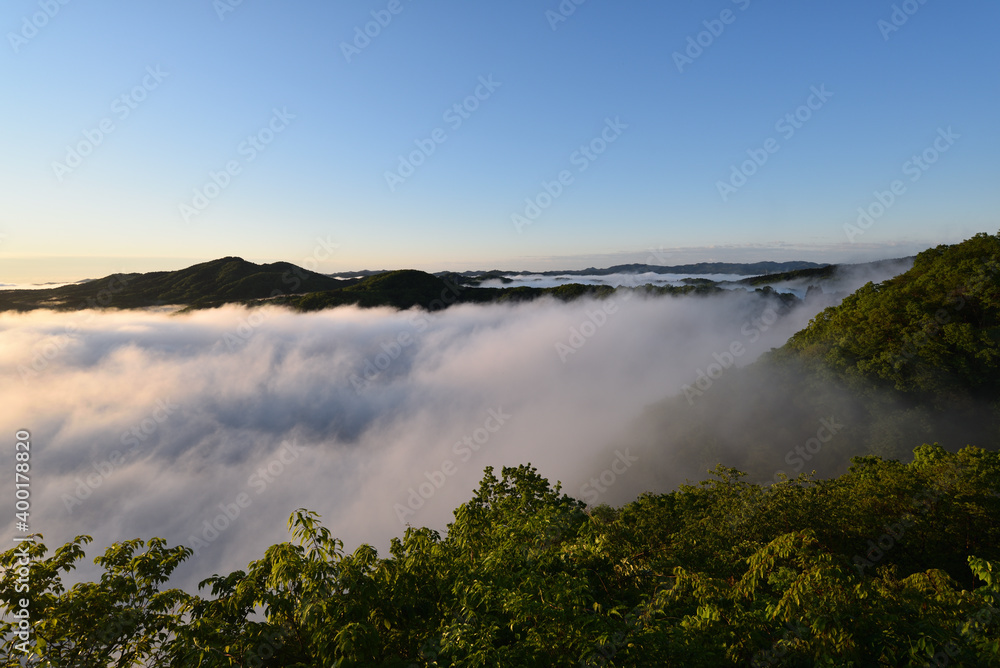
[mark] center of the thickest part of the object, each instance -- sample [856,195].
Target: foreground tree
[888,565]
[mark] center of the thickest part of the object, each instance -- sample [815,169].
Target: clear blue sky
[324,174]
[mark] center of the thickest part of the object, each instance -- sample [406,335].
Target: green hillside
[401,289]
[212,283]
[915,359]
[932,333]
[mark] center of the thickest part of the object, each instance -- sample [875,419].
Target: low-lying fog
[149,424]
[846,278]
[628,280]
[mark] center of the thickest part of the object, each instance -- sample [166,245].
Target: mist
[209,428]
[846,278]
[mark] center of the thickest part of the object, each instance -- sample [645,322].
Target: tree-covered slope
[915,359]
[212,283]
[404,288]
[932,332]
[888,565]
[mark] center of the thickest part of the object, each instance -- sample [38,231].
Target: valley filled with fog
[209,428]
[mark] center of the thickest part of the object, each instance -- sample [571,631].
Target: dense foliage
[932,332]
[887,565]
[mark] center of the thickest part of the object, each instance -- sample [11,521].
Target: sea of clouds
[209,428]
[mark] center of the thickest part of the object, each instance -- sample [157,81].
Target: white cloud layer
[143,422]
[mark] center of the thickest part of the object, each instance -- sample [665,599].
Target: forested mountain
[824,272]
[913,360]
[932,333]
[229,279]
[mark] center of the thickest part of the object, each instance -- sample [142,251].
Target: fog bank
[149,424]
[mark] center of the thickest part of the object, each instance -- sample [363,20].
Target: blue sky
[199,78]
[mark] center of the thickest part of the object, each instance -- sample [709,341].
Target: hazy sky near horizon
[142,135]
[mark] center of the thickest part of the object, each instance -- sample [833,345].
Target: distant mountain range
[740,268]
[235,280]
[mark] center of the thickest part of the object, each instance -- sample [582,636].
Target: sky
[518,135]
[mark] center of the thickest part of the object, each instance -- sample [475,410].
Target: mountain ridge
[232,279]
[205,284]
